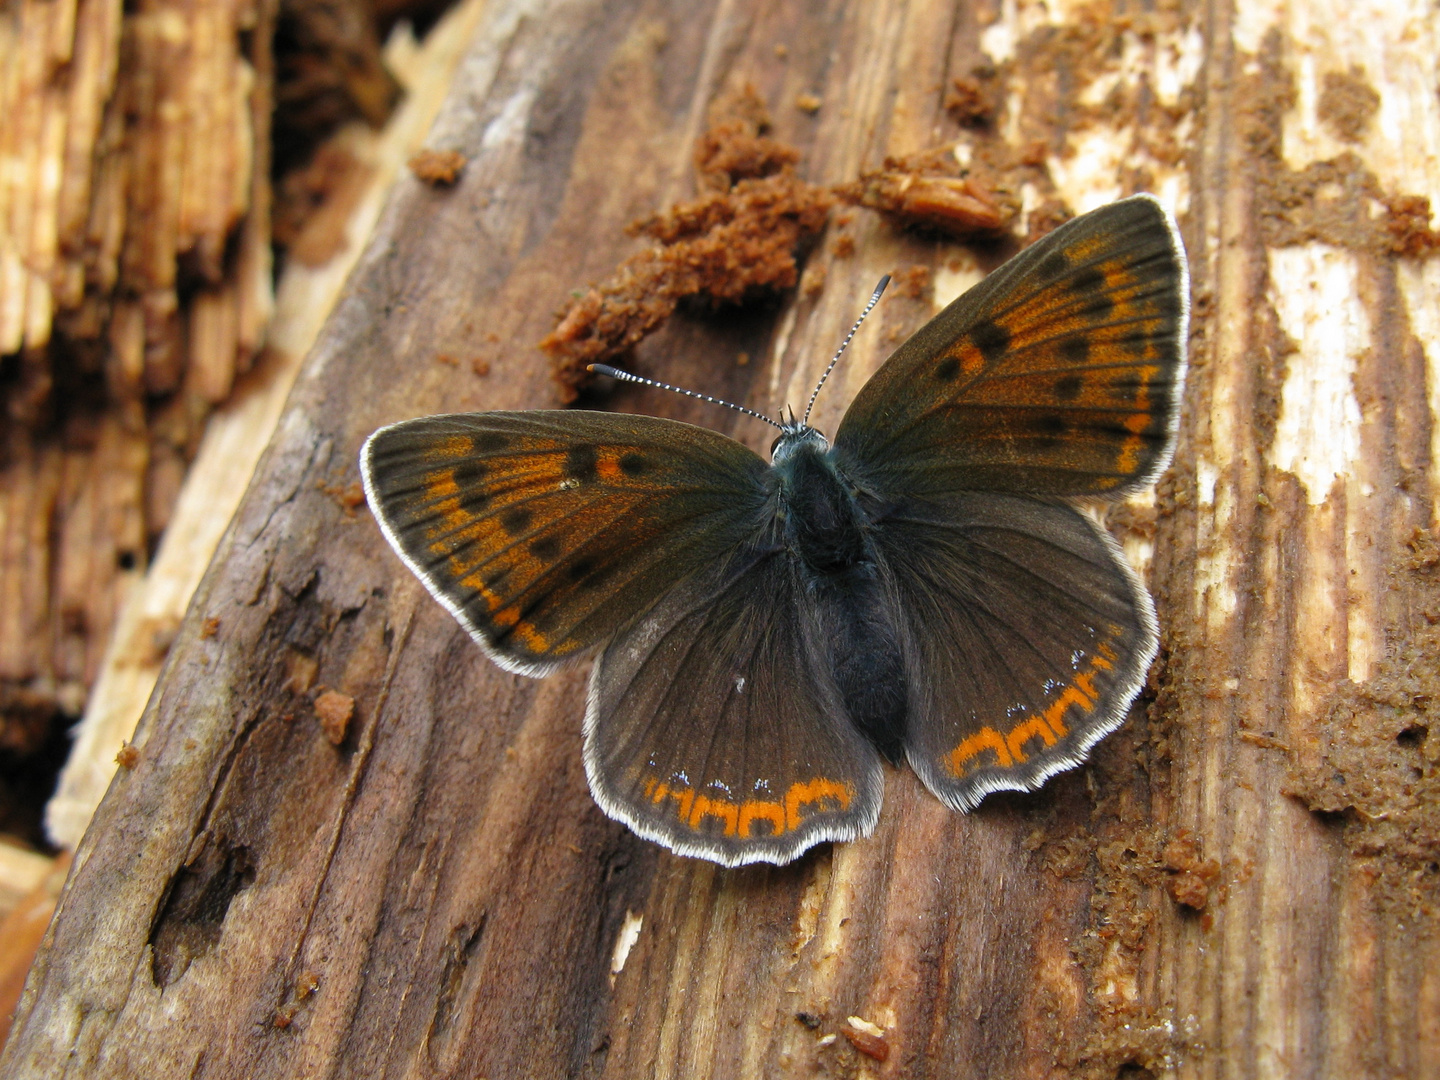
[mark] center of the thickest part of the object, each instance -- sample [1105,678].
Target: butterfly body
[922,589]
[827,523]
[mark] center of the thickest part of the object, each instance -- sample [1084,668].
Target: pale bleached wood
[111,175]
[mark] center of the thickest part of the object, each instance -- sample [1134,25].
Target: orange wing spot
[723,809]
[442,493]
[607,467]
[987,738]
[1128,460]
[475,583]
[1083,249]
[967,355]
[506,617]
[802,793]
[455,518]
[462,563]
[1023,732]
[533,640]
[753,810]
[683,796]
[451,447]
[1106,660]
[1148,374]
[440,484]
[1073,695]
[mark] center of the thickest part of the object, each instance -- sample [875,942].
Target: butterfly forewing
[714,724]
[545,532]
[1026,637]
[1059,374]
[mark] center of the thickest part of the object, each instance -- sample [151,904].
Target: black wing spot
[580,462]
[1053,266]
[1068,387]
[546,548]
[768,828]
[469,474]
[469,477]
[633,464]
[991,339]
[587,575]
[947,369]
[1090,284]
[490,441]
[1075,350]
[516,520]
[1051,426]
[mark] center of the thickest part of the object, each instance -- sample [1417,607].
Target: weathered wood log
[1240,884]
[237,433]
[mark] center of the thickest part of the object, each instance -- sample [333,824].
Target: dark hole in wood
[194,908]
[1414,735]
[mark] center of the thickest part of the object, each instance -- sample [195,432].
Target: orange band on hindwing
[802,800]
[1047,725]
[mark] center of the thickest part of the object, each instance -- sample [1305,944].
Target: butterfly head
[793,435]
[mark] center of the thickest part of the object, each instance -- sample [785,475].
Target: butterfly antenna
[625,376]
[874,299]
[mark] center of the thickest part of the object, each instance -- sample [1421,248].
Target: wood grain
[439,895]
[135,283]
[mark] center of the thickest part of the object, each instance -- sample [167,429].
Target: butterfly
[921,588]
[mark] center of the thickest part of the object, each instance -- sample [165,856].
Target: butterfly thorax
[821,520]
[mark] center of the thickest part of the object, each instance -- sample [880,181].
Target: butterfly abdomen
[865,660]
[825,529]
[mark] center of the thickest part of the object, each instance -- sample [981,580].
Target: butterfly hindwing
[715,727]
[545,532]
[1059,374]
[1026,636]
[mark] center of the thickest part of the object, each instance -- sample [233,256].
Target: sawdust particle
[334,710]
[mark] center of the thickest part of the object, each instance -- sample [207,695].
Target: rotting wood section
[134,288]
[439,894]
